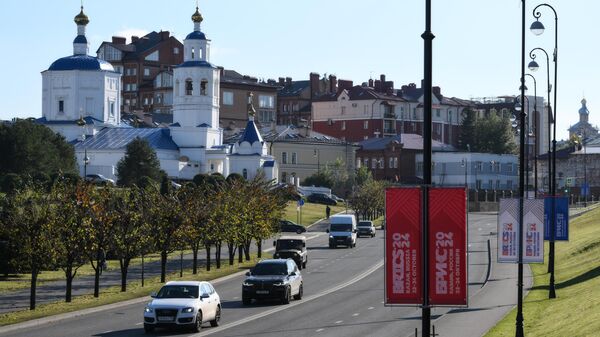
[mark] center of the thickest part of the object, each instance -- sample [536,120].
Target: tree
[494,135]
[466,137]
[321,179]
[140,160]
[29,149]
[369,198]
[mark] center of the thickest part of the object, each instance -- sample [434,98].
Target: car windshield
[364,224]
[289,244]
[341,227]
[178,292]
[270,269]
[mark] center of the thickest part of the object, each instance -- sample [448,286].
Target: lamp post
[86,161]
[534,129]
[538,28]
[465,164]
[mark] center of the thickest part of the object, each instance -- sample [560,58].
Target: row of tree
[68,223]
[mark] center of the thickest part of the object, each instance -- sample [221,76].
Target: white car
[183,304]
[99,179]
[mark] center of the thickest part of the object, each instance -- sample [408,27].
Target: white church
[81,100]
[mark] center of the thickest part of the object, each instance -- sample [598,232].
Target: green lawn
[575,311]
[310,212]
[114,294]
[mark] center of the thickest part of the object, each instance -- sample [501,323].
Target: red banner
[403,246]
[447,246]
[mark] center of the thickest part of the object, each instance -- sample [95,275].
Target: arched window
[203,85]
[193,53]
[189,87]
[245,173]
[177,88]
[284,177]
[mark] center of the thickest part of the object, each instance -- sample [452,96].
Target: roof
[133,50]
[251,134]
[196,35]
[292,237]
[294,89]
[277,261]
[119,138]
[269,163]
[409,141]
[80,62]
[358,93]
[183,283]
[88,120]
[188,64]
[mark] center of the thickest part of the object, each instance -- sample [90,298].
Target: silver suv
[366,228]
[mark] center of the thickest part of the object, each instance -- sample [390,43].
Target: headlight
[148,309]
[247,284]
[187,310]
[275,255]
[331,237]
[279,284]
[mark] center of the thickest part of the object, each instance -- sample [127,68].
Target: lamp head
[533,66]
[537,27]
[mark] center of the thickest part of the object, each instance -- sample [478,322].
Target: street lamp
[535,134]
[86,161]
[538,28]
[533,66]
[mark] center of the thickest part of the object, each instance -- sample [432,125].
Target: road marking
[140,323]
[293,304]
[106,332]
[236,298]
[371,308]
[339,322]
[355,314]
[319,330]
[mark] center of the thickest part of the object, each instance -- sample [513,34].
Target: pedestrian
[327,211]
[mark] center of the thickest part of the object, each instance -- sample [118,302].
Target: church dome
[584,109]
[197,17]
[196,35]
[81,19]
[81,62]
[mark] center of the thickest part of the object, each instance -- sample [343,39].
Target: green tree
[467,130]
[29,149]
[140,160]
[494,135]
[320,179]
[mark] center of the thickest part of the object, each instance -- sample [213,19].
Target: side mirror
[327,230]
[153,294]
[248,273]
[205,295]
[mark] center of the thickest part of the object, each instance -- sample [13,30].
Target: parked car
[292,247]
[99,179]
[337,199]
[342,231]
[365,228]
[273,279]
[321,198]
[291,227]
[183,304]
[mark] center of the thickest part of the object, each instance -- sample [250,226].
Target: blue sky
[476,49]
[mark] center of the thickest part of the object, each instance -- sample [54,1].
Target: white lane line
[371,308]
[236,298]
[293,304]
[355,314]
[339,322]
[319,330]
[107,332]
[140,323]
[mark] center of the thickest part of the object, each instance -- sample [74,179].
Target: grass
[575,311]
[310,212]
[22,281]
[114,294]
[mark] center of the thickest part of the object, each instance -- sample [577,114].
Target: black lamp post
[538,28]
[86,161]
[427,119]
[535,134]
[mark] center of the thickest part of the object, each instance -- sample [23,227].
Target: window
[203,85]
[176,50]
[284,177]
[374,163]
[491,183]
[61,106]
[366,137]
[266,101]
[294,158]
[497,184]
[366,162]
[354,105]
[414,113]
[449,116]
[111,109]
[358,162]
[119,69]
[509,184]
[391,163]
[131,71]
[343,110]
[284,157]
[478,184]
[366,125]
[189,87]
[396,162]
[193,53]
[146,101]
[437,112]
[245,173]
[227,97]
[343,125]
[366,109]
[146,71]
[133,87]
[479,166]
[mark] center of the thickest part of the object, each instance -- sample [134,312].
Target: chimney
[437,91]
[134,39]
[371,82]
[282,81]
[344,84]
[314,84]
[332,83]
[164,35]
[288,81]
[118,40]
[378,85]
[382,78]
[222,71]
[389,87]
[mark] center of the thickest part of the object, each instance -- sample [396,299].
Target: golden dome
[81,18]
[197,17]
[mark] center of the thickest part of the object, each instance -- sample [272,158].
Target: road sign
[447,246]
[403,269]
[570,181]
[300,202]
[561,222]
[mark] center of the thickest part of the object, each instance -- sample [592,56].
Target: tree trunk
[231,249]
[34,275]
[163,266]
[207,247]
[124,268]
[247,250]
[259,248]
[240,253]
[218,254]
[97,274]
[69,277]
[195,248]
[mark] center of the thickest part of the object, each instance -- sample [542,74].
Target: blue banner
[561,223]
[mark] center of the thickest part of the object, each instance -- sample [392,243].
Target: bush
[11,182]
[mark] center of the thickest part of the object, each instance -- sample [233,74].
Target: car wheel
[298,231]
[198,324]
[287,296]
[215,322]
[246,300]
[148,328]
[300,293]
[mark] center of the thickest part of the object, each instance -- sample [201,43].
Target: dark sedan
[321,198]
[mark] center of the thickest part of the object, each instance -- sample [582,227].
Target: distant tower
[584,113]
[196,93]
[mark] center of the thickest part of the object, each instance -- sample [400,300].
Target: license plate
[262,292]
[165,318]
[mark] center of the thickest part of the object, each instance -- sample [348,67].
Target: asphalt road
[343,296]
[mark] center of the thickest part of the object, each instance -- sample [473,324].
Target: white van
[342,231]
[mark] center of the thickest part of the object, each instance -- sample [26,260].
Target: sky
[476,52]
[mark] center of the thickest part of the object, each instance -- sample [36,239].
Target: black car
[273,279]
[321,198]
[291,227]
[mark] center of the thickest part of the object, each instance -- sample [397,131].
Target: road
[343,297]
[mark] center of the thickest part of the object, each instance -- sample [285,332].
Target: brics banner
[510,231]
[561,218]
[447,246]
[403,246]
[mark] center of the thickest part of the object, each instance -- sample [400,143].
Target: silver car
[183,304]
[366,228]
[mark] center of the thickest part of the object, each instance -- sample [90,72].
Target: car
[277,279]
[183,304]
[337,199]
[99,179]
[342,231]
[291,227]
[293,247]
[365,228]
[321,198]
[175,185]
